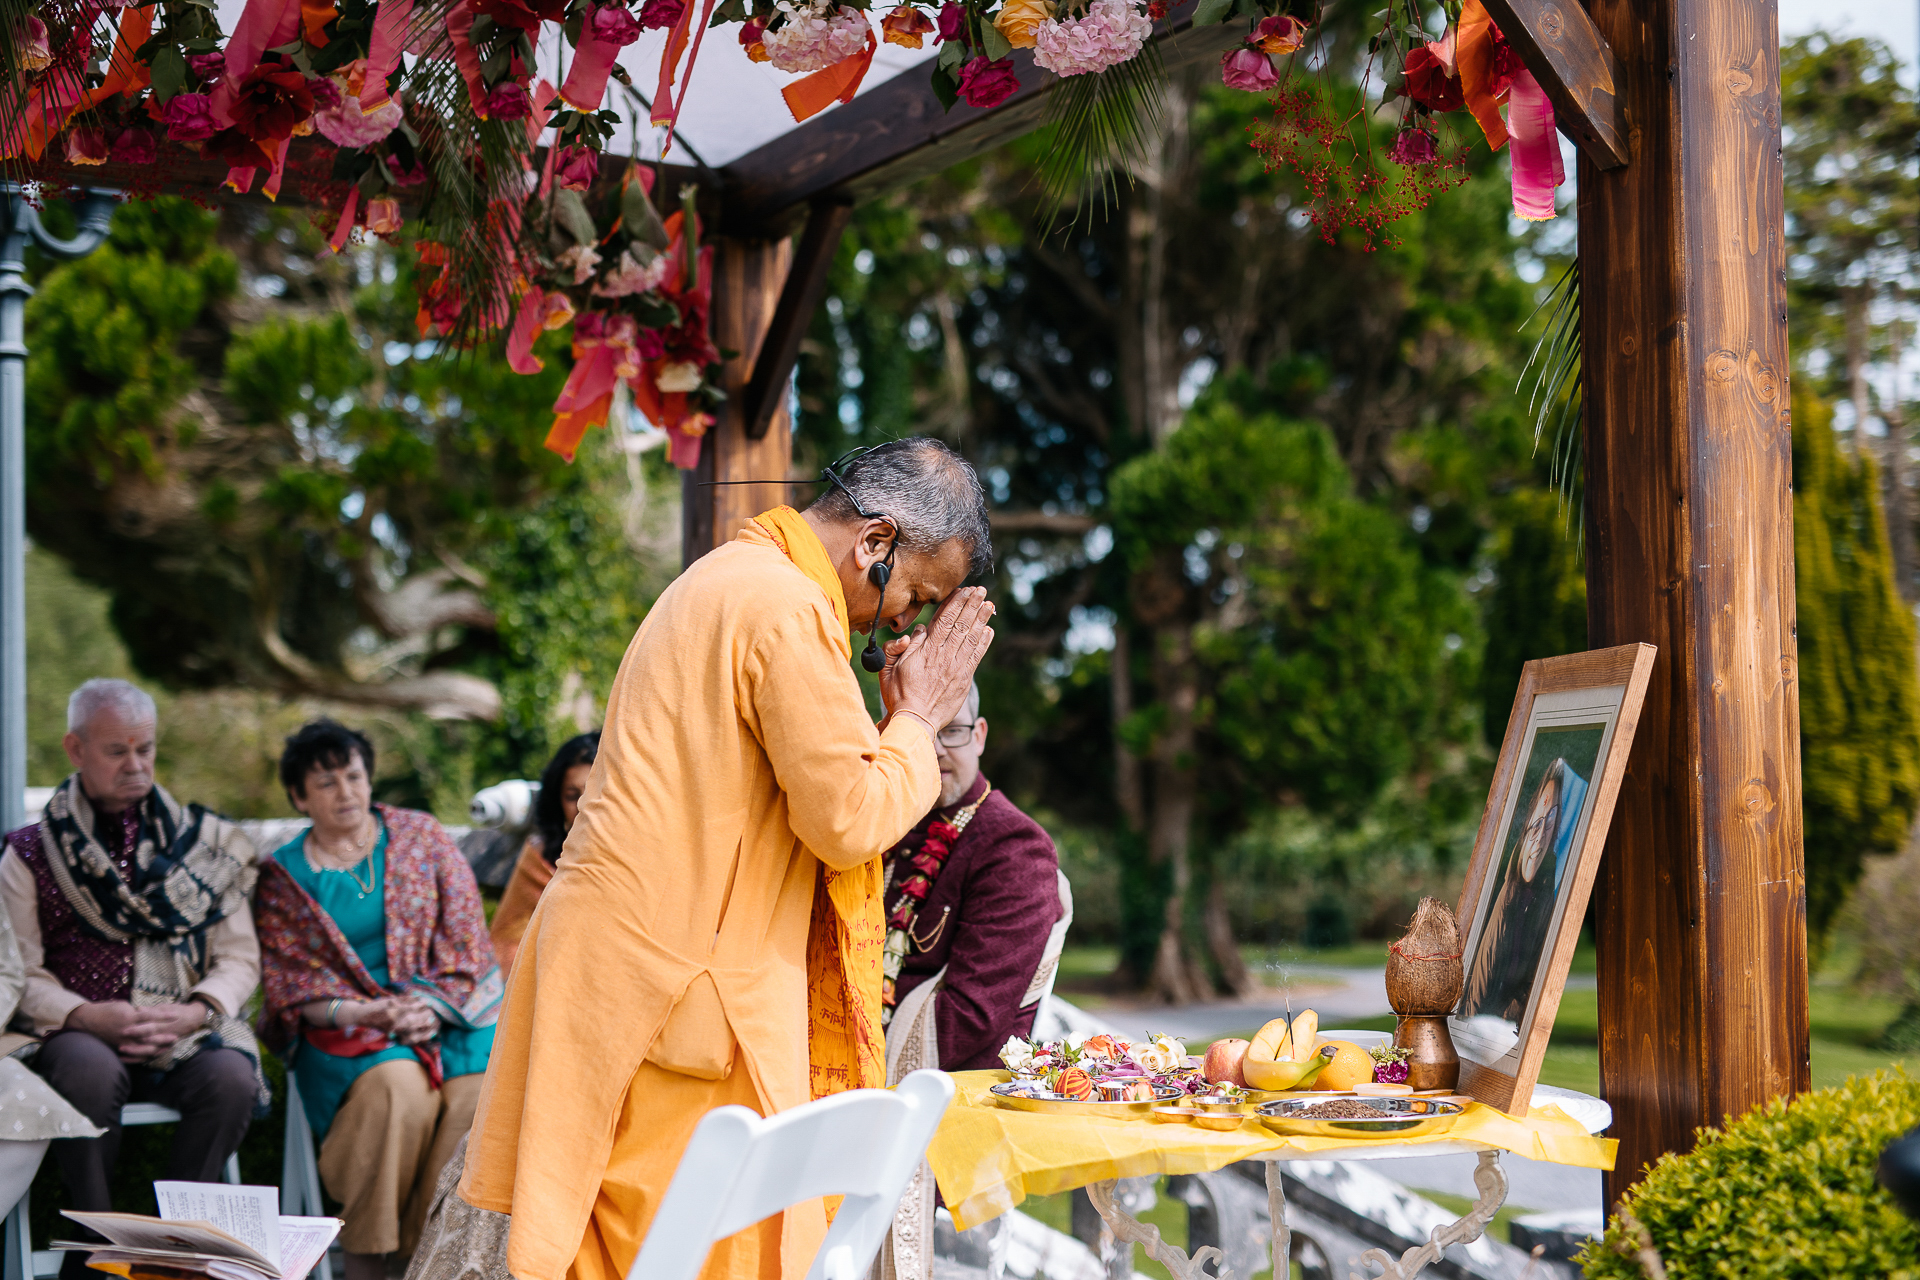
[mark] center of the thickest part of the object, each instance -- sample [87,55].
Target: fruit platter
[1157,1078]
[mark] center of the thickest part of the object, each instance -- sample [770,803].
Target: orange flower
[1280,35]
[383,216]
[558,313]
[907,27]
[1019,21]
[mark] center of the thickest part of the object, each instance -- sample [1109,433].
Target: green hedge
[1788,1190]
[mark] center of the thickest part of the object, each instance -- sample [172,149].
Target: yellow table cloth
[987,1158]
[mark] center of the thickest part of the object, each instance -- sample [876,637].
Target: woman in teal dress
[381,989]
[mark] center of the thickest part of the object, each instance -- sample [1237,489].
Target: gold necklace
[351,870]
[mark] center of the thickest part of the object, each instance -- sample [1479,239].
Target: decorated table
[987,1158]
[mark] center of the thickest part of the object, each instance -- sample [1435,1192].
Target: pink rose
[36,53]
[953,22]
[986,84]
[1414,147]
[86,146]
[189,118]
[509,101]
[1248,69]
[383,216]
[577,167]
[208,66]
[615,25]
[132,146]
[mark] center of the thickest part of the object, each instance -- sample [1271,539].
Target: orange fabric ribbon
[813,94]
[314,17]
[1473,54]
[666,108]
[846,1048]
[125,74]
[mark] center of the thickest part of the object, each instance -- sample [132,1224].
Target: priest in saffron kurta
[712,932]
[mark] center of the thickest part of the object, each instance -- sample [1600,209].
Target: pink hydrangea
[348,126]
[815,36]
[1109,33]
[631,276]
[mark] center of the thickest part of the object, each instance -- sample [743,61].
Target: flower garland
[914,887]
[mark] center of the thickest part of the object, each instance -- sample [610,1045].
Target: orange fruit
[1352,1065]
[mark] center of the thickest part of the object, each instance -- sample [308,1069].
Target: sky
[1897,22]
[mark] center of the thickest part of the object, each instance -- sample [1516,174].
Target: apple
[1226,1062]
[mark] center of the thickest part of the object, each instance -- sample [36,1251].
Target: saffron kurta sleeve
[664,970]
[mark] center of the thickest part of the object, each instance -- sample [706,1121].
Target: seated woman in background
[381,989]
[561,786]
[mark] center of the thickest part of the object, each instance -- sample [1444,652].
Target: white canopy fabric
[732,105]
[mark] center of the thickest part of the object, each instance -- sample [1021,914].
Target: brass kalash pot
[1423,986]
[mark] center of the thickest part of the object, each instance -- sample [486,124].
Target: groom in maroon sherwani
[986,915]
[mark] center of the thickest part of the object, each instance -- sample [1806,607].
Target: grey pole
[23,221]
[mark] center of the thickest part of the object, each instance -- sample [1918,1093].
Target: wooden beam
[806,285]
[898,133]
[1701,915]
[747,280]
[1575,65]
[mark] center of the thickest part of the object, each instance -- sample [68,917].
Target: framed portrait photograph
[1535,859]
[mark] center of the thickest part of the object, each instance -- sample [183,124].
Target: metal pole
[23,221]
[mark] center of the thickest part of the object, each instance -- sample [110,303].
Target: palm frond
[1551,381]
[1101,123]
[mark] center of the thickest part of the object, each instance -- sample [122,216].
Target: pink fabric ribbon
[666,108]
[1535,148]
[465,57]
[344,227]
[263,25]
[526,327]
[389,42]
[593,60]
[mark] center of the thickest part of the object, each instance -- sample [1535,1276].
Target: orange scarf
[846,1048]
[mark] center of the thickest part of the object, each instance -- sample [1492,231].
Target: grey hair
[972,705]
[101,694]
[926,490]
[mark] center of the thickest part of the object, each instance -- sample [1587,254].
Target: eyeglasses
[957,735]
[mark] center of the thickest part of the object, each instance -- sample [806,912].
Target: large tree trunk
[1178,977]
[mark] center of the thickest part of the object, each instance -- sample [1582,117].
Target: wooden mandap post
[1701,909]
[748,276]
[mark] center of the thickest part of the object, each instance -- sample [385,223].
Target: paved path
[1339,995]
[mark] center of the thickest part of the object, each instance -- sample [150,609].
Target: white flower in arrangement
[1172,1046]
[631,275]
[815,34]
[581,260]
[1162,1055]
[1075,1039]
[1017,1054]
[681,375]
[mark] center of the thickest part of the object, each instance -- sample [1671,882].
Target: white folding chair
[18,1259]
[300,1173]
[739,1168]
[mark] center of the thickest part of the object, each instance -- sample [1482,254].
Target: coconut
[1423,968]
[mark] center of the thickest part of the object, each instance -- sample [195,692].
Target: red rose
[615,25]
[208,66]
[268,104]
[656,15]
[987,84]
[524,14]
[1431,82]
[577,167]
[133,146]
[953,22]
[189,117]
[509,101]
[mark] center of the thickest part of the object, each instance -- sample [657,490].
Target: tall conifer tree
[1859,696]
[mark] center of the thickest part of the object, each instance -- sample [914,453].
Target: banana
[1282,1074]
[1304,1034]
[1267,1040]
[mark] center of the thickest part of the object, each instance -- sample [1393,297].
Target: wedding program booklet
[207,1229]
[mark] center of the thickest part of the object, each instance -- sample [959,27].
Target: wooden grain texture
[898,133]
[800,296]
[1629,665]
[747,278]
[1571,60]
[1702,946]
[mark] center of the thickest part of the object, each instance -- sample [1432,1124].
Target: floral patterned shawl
[437,944]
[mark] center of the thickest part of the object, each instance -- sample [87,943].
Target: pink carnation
[614,25]
[348,126]
[986,84]
[189,117]
[816,36]
[1111,32]
[1248,69]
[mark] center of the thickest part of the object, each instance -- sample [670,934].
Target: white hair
[101,694]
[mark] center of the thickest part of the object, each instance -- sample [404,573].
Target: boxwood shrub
[1787,1190]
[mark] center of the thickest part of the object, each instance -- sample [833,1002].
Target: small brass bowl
[1218,1121]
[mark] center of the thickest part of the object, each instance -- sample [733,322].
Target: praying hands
[929,671]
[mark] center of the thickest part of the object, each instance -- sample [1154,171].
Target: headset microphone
[879,575]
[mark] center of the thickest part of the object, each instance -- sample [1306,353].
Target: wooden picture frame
[1560,769]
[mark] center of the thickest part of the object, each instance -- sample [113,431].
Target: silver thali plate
[1141,1110]
[1399,1118]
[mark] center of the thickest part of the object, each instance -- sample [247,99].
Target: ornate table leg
[1277,1215]
[1127,1232]
[1492,1183]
